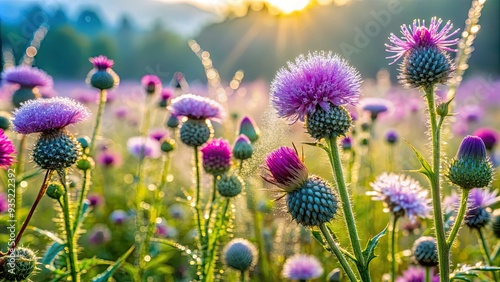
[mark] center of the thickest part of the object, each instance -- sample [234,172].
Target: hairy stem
[97,127]
[459,218]
[336,251]
[19,170]
[393,247]
[486,251]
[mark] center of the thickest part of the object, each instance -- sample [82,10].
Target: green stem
[443,250]
[347,209]
[486,251]
[336,251]
[73,259]
[97,127]
[197,202]
[19,170]
[210,210]
[459,218]
[495,253]
[242,276]
[393,247]
[207,269]
[427,274]
[83,195]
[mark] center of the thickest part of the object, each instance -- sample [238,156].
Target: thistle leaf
[112,268]
[369,252]
[426,169]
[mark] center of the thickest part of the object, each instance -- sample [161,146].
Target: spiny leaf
[47,233]
[369,252]
[316,144]
[52,252]
[426,168]
[112,268]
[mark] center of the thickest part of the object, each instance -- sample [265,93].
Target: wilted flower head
[101,62]
[419,35]
[488,135]
[302,267]
[27,77]
[318,80]
[478,213]
[416,274]
[144,147]
[48,114]
[285,169]
[196,107]
[7,151]
[216,156]
[402,195]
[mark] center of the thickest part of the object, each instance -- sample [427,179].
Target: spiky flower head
[151,83]
[419,36]
[229,185]
[285,169]
[173,122]
[318,80]
[401,194]
[27,77]
[19,266]
[118,217]
[416,274]
[242,148]
[330,123]
[102,76]
[240,254]
[488,135]
[56,150]
[216,156]
[196,132]
[7,151]
[470,168]
[249,128]
[196,107]
[142,147]
[478,213]
[302,267]
[52,114]
[425,251]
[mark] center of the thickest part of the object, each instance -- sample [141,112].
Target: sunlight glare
[289,6]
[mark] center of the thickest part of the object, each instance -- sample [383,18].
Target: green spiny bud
[328,124]
[229,185]
[85,164]
[56,150]
[167,145]
[195,133]
[425,251]
[55,190]
[19,265]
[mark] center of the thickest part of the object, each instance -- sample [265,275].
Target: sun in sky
[279,6]
[289,6]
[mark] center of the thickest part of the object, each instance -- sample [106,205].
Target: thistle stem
[207,269]
[393,247]
[459,218]
[97,127]
[19,170]
[197,200]
[211,208]
[347,209]
[242,276]
[486,251]
[443,250]
[427,274]
[83,195]
[336,251]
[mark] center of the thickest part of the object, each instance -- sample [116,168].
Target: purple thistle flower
[472,147]
[318,80]
[419,35]
[375,106]
[416,274]
[27,77]
[164,230]
[4,204]
[48,114]
[118,217]
[99,235]
[216,156]
[391,136]
[402,195]
[472,113]
[488,135]
[151,83]
[166,94]
[196,107]
[7,151]
[94,200]
[302,267]
[478,213]
[159,133]
[101,62]
[108,158]
[346,143]
[144,147]
[249,128]
[285,169]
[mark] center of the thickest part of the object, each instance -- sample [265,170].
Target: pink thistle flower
[27,77]
[216,156]
[285,169]
[196,107]
[101,62]
[7,151]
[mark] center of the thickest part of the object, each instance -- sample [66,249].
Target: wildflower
[346,143]
[242,148]
[165,95]
[151,83]
[375,106]
[425,251]
[391,137]
[402,195]
[108,158]
[56,148]
[99,235]
[29,79]
[94,200]
[144,147]
[102,76]
[478,213]
[318,81]
[302,267]
[216,156]
[164,230]
[470,168]
[240,254]
[310,200]
[22,263]
[7,151]
[416,274]
[158,134]
[118,217]
[249,129]
[489,137]
[425,61]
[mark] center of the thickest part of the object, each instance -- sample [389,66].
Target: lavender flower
[7,151]
[319,80]
[216,156]
[27,77]
[48,115]
[416,274]
[402,195]
[488,135]
[302,267]
[151,83]
[196,107]
[478,213]
[144,147]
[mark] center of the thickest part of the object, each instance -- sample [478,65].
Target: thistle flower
[151,83]
[7,151]
[470,168]
[375,106]
[391,137]
[216,156]
[302,267]
[402,195]
[346,143]
[416,274]
[94,200]
[144,147]
[21,264]
[118,217]
[159,134]
[425,251]
[478,213]
[310,200]
[242,148]
[423,48]
[108,158]
[99,235]
[240,254]
[102,76]
[165,95]
[320,80]
[249,129]
[196,107]
[229,185]
[27,77]
[488,135]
